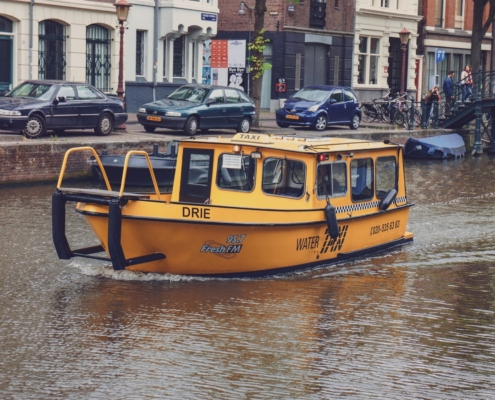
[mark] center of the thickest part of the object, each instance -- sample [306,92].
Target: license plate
[151,118]
[292,116]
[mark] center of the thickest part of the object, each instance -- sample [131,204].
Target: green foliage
[293,1]
[259,66]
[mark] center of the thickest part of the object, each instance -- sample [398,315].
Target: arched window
[98,65]
[6,55]
[51,56]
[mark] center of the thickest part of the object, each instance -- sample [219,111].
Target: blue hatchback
[320,106]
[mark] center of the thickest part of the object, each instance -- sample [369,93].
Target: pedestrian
[466,83]
[431,96]
[448,91]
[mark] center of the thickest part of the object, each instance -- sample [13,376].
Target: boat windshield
[192,94]
[311,95]
[33,90]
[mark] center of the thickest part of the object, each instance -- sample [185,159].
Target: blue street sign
[208,17]
[439,55]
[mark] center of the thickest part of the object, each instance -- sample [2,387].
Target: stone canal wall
[41,160]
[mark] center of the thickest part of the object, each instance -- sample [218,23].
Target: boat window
[196,176]
[283,177]
[362,179]
[331,179]
[386,175]
[236,172]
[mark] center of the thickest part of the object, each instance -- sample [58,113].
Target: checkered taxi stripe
[366,206]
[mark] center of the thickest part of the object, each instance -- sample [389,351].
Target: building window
[459,14]
[98,55]
[6,55]
[179,57]
[439,13]
[318,12]
[51,54]
[140,39]
[336,4]
[369,58]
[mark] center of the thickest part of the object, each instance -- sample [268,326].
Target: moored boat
[435,147]
[253,204]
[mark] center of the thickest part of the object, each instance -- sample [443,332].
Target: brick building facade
[309,43]
[447,26]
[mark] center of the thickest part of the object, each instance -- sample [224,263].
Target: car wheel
[244,125]
[149,128]
[321,122]
[35,127]
[282,125]
[105,125]
[191,127]
[355,122]
[58,131]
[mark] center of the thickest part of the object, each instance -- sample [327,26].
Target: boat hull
[229,248]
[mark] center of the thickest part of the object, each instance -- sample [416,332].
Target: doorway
[316,64]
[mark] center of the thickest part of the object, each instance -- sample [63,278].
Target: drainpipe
[31,7]
[155,48]
[352,47]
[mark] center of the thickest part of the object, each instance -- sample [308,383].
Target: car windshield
[34,90]
[192,94]
[311,95]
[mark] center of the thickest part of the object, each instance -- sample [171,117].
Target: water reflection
[413,323]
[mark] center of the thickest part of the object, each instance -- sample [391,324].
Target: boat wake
[106,271]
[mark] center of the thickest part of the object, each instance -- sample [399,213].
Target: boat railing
[103,172]
[113,199]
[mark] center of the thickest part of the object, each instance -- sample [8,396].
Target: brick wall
[41,161]
[339,18]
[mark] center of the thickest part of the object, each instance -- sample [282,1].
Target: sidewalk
[269,125]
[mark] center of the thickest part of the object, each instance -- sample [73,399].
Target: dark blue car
[317,107]
[34,107]
[200,107]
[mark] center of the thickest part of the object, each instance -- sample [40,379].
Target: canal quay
[24,161]
[413,323]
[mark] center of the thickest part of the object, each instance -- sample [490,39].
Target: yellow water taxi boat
[252,204]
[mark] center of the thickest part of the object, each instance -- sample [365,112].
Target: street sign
[208,17]
[439,55]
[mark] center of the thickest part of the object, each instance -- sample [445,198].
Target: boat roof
[295,143]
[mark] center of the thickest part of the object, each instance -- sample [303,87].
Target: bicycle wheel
[367,113]
[400,119]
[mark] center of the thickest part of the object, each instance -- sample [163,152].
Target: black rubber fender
[388,199]
[333,225]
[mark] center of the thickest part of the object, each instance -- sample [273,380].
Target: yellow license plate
[292,116]
[151,118]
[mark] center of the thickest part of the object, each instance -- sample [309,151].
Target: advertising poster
[226,63]
[206,76]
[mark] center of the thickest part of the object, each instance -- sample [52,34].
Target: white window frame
[459,17]
[368,56]
[142,61]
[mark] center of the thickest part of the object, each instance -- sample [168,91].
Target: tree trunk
[480,28]
[259,23]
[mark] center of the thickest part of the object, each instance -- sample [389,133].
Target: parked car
[200,107]
[34,107]
[320,106]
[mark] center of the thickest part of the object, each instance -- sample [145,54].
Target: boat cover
[447,144]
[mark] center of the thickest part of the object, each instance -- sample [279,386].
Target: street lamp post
[404,35]
[122,7]
[242,11]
